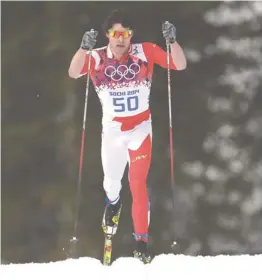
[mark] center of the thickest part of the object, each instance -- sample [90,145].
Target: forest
[216,204]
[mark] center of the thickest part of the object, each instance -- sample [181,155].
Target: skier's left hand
[169,32]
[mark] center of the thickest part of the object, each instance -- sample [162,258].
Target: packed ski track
[164,266]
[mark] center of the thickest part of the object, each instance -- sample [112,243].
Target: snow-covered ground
[175,267]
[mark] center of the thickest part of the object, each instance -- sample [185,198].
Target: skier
[121,73]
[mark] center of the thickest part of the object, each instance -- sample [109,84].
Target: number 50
[122,104]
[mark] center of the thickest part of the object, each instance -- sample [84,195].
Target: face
[118,44]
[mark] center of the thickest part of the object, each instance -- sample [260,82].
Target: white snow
[225,15]
[192,55]
[177,267]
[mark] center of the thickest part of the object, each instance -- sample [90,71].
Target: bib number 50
[122,104]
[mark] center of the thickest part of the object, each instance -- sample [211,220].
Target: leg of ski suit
[140,146]
[114,161]
[118,148]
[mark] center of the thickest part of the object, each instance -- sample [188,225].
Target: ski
[107,249]
[109,225]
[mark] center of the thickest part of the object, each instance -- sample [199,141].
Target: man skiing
[121,73]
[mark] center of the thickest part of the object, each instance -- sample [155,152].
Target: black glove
[169,32]
[89,40]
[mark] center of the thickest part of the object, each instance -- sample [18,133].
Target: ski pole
[170,129]
[74,239]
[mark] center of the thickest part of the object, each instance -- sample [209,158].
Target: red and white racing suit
[123,87]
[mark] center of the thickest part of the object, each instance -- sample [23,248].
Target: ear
[107,35]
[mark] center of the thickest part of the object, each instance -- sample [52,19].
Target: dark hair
[118,16]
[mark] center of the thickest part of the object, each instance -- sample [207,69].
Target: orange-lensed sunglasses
[116,34]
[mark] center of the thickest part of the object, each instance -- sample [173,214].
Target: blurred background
[217,123]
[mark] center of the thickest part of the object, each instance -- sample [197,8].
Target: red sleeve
[158,55]
[85,67]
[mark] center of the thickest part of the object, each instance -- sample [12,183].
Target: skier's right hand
[89,40]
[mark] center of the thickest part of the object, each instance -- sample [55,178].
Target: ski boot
[141,252]
[111,217]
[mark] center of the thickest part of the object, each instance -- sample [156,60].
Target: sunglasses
[116,34]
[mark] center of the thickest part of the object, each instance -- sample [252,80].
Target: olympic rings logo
[122,71]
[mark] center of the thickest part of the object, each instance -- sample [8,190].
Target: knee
[111,185]
[138,188]
[137,182]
